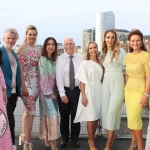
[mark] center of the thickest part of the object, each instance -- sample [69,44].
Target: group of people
[87,89]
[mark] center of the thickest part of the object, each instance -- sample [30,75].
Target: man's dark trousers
[67,109]
[11,105]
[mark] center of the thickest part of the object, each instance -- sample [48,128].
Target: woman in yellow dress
[137,85]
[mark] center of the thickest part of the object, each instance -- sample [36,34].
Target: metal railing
[122,133]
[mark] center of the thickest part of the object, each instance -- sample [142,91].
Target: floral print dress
[29,62]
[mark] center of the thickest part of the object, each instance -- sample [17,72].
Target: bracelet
[147,95]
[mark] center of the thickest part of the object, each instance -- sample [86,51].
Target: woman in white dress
[89,74]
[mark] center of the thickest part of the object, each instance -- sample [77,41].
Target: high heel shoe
[110,143]
[90,146]
[134,146]
[113,140]
[21,142]
[46,143]
[30,145]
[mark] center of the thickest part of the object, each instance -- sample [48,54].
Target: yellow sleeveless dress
[137,69]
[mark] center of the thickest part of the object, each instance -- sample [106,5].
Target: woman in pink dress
[29,55]
[5,136]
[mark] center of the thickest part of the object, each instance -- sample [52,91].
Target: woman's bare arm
[84,98]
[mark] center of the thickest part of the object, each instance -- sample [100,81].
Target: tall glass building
[104,21]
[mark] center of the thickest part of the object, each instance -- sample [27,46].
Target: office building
[87,36]
[104,21]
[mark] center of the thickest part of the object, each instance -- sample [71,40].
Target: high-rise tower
[104,21]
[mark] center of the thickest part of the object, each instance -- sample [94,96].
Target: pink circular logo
[3,123]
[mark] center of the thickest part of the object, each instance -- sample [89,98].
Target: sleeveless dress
[29,62]
[5,136]
[48,106]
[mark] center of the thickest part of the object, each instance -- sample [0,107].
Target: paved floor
[120,144]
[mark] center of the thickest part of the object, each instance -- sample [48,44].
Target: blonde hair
[115,49]
[13,31]
[30,27]
[87,56]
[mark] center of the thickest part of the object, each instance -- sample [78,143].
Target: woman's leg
[53,145]
[28,122]
[133,140]
[109,139]
[91,128]
[23,136]
[139,138]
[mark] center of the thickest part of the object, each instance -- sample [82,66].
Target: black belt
[68,88]
[14,93]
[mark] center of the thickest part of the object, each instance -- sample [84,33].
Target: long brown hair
[139,33]
[30,27]
[116,46]
[44,51]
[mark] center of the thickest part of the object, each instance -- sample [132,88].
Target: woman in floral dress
[47,89]
[5,136]
[29,55]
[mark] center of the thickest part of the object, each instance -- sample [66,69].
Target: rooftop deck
[120,144]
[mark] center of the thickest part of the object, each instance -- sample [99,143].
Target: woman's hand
[25,91]
[53,96]
[144,101]
[5,97]
[84,101]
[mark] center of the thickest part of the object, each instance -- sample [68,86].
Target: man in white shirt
[68,87]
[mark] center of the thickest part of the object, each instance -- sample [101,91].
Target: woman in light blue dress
[112,58]
[47,92]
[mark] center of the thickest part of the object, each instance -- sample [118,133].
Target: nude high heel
[134,147]
[113,140]
[30,145]
[109,141]
[21,142]
[46,143]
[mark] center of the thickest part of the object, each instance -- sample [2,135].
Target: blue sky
[61,18]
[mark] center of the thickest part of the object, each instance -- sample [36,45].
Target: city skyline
[60,19]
